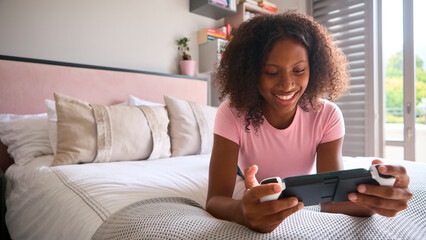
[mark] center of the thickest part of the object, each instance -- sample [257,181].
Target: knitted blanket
[180,218]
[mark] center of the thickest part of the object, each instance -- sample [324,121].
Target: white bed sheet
[92,192]
[85,195]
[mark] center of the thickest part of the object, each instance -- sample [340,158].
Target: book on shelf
[226,29]
[271,9]
[212,32]
[268,6]
[251,2]
[223,3]
[231,4]
[208,39]
[262,3]
[205,33]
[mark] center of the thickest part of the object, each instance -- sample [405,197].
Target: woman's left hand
[384,200]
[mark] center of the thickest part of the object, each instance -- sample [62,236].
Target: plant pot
[187,67]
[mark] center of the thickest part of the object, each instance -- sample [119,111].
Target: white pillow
[135,101]
[52,119]
[26,136]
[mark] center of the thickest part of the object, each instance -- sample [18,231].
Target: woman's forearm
[226,208]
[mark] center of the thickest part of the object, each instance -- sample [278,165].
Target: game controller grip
[273,196]
[382,179]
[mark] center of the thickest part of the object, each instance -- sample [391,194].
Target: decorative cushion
[191,126]
[52,119]
[95,133]
[25,136]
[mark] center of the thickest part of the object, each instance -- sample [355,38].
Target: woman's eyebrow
[276,65]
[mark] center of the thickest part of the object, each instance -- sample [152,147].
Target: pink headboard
[26,83]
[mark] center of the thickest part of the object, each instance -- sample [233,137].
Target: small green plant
[183,47]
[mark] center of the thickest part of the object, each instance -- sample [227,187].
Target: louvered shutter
[352,24]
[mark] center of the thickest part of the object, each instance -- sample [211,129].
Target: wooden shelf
[258,10]
[208,9]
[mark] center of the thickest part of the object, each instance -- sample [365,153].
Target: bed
[103,189]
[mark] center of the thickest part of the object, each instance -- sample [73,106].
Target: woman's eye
[299,70]
[271,73]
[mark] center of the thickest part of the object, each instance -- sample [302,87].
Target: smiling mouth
[286,98]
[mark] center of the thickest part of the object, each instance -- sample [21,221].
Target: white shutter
[352,24]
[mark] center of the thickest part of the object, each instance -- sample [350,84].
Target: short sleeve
[226,123]
[335,125]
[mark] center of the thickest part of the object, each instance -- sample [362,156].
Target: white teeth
[285,97]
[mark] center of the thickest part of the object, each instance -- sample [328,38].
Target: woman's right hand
[265,216]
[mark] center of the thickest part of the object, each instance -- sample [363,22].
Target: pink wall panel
[24,86]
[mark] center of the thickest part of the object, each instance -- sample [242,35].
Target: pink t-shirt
[281,152]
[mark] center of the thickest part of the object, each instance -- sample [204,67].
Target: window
[354,28]
[386,110]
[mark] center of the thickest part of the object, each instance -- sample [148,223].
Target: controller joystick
[276,195]
[383,180]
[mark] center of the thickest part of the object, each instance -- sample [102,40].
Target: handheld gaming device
[328,186]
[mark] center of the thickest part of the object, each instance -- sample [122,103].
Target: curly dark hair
[245,55]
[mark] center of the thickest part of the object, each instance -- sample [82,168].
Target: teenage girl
[275,76]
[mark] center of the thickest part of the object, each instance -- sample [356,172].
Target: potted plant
[187,66]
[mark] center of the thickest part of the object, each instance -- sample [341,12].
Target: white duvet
[85,195]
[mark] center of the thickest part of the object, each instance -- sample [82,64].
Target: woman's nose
[285,82]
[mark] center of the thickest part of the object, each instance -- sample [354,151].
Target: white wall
[135,34]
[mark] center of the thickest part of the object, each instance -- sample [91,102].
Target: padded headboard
[26,83]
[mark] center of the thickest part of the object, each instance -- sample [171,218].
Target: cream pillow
[52,119]
[95,133]
[191,126]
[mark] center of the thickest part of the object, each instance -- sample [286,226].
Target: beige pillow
[95,133]
[52,119]
[191,126]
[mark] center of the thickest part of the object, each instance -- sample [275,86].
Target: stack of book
[227,29]
[209,34]
[250,2]
[268,6]
[231,4]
